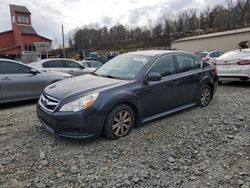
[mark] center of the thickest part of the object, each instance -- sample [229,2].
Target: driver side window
[164,66]
[71,64]
[13,68]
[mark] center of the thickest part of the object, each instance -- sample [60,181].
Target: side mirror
[154,76]
[34,71]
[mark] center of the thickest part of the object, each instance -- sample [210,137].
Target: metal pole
[63,41]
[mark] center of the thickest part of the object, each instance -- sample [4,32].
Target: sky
[48,15]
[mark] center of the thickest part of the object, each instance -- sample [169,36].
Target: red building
[22,36]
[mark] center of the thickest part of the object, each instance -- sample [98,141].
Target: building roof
[231,32]
[18,8]
[26,29]
[9,31]
[9,48]
[44,38]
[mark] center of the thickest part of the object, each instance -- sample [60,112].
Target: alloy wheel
[205,96]
[121,123]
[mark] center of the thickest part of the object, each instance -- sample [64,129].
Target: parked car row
[232,66]
[209,56]
[130,89]
[109,99]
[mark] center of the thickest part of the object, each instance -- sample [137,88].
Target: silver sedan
[21,82]
[234,65]
[62,65]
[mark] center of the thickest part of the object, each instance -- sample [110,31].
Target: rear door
[17,82]
[187,79]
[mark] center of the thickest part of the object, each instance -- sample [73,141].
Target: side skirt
[145,120]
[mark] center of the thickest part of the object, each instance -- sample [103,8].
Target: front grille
[48,103]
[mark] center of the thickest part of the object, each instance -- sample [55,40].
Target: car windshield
[123,67]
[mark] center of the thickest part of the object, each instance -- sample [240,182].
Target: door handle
[5,78]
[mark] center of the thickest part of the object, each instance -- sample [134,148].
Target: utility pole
[63,42]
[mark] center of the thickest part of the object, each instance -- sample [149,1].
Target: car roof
[154,53]
[51,59]
[13,61]
[10,60]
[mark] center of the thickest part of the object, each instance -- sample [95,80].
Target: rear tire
[205,96]
[119,122]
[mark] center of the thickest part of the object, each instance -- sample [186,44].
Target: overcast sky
[48,15]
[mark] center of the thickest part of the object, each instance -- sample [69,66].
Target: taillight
[215,70]
[244,62]
[205,59]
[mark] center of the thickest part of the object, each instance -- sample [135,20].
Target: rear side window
[46,65]
[164,66]
[71,64]
[13,68]
[53,64]
[215,54]
[184,63]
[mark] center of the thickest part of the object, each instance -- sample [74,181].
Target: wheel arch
[207,81]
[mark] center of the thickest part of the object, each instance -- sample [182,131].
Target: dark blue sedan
[128,90]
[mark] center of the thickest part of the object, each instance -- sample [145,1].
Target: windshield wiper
[108,76]
[94,74]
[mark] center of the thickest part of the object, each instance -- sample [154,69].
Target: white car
[209,56]
[69,66]
[234,65]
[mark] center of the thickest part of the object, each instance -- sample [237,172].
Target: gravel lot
[200,147]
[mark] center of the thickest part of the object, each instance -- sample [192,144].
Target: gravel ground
[200,147]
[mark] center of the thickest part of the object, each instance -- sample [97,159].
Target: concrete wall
[222,43]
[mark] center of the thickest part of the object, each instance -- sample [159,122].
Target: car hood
[81,85]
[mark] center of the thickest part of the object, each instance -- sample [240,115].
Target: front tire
[119,122]
[204,96]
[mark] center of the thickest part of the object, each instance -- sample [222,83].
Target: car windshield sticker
[140,59]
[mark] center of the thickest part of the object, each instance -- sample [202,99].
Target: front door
[157,96]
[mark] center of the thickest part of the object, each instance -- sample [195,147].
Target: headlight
[80,104]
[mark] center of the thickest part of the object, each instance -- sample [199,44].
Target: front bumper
[84,124]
